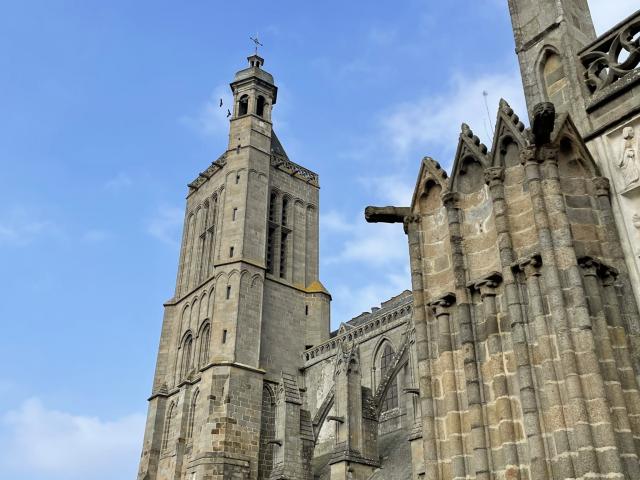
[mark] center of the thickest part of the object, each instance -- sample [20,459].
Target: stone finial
[544,117]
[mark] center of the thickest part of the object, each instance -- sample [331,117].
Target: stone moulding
[389,319]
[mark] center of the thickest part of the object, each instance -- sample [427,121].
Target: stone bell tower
[548,35]
[247,301]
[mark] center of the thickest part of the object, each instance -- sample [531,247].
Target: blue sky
[109,110]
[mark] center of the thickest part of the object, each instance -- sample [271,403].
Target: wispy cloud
[51,444]
[166,225]
[379,244]
[118,182]
[433,121]
[20,227]
[351,299]
[211,119]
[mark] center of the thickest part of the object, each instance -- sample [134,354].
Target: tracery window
[192,414]
[166,434]
[187,356]
[386,360]
[205,338]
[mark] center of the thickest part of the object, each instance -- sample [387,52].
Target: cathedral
[516,353]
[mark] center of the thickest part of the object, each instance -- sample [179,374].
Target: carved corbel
[441,305]
[494,176]
[602,186]
[530,265]
[487,285]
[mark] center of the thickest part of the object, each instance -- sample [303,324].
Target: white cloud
[353,300]
[390,189]
[373,244]
[166,225]
[119,182]
[52,444]
[434,120]
[20,227]
[212,119]
[607,13]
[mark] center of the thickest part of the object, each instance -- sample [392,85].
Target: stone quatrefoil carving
[614,58]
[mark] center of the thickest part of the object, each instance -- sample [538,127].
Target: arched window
[391,399]
[168,420]
[285,208]
[187,356]
[205,338]
[260,106]
[192,414]
[555,79]
[243,105]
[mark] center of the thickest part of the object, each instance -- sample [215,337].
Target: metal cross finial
[256,42]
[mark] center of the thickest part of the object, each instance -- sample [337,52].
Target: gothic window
[285,208]
[205,338]
[270,245]
[212,232]
[555,79]
[386,360]
[166,434]
[273,199]
[192,414]
[187,356]
[283,253]
[260,106]
[243,105]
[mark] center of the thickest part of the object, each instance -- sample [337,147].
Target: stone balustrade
[611,62]
[382,319]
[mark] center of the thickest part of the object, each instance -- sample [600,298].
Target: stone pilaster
[450,420]
[355,452]
[477,434]
[525,385]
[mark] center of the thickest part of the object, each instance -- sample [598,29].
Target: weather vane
[256,42]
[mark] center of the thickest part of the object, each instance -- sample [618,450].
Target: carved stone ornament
[628,164]
[635,220]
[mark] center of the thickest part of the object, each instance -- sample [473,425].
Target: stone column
[571,321]
[355,452]
[621,350]
[288,458]
[611,244]
[591,269]
[592,387]
[529,401]
[423,448]
[477,422]
[549,375]
[450,419]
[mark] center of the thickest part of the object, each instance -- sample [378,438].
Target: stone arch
[185,352]
[267,432]
[470,175]
[390,378]
[552,77]
[430,200]
[243,105]
[167,431]
[508,151]
[192,414]
[322,413]
[204,341]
